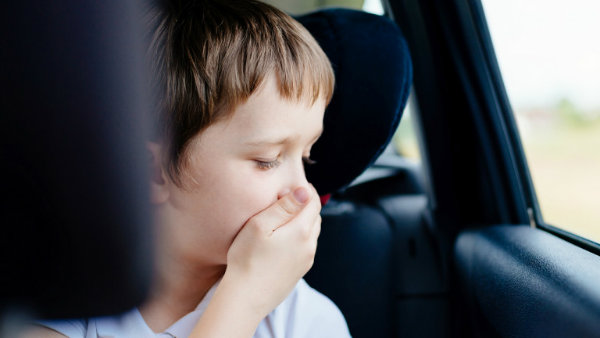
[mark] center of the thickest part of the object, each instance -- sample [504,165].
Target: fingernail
[301,195]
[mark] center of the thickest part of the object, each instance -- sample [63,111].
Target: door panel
[521,281]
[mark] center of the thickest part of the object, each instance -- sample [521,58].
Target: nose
[293,177]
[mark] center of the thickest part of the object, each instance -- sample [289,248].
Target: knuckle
[257,220]
[318,231]
[306,233]
[255,224]
[286,207]
[310,263]
[313,250]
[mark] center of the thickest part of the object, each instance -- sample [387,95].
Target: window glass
[296,7]
[549,56]
[405,140]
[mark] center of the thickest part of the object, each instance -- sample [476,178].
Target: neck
[179,287]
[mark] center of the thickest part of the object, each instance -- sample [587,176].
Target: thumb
[282,211]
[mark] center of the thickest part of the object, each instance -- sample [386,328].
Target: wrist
[229,314]
[246,297]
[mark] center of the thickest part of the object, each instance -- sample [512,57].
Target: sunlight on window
[373,6]
[550,63]
[405,139]
[295,7]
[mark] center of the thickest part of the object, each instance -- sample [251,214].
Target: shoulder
[304,313]
[128,324]
[60,328]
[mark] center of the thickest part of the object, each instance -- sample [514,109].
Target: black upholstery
[373,74]
[377,257]
[354,266]
[524,282]
[379,260]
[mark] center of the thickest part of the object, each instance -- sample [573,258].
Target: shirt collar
[132,324]
[184,326]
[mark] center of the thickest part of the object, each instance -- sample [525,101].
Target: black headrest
[373,74]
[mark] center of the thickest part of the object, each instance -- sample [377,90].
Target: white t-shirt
[304,313]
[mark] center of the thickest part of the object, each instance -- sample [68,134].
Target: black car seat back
[355,263]
[378,257]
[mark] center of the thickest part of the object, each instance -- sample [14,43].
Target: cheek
[253,197]
[245,196]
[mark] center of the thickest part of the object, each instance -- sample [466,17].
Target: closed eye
[265,165]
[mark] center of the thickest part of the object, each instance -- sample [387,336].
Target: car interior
[461,251]
[366,228]
[453,246]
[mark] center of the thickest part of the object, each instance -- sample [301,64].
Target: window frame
[453,45]
[537,219]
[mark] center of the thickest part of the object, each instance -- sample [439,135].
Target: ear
[159,182]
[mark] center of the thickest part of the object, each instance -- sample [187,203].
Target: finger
[313,243]
[282,211]
[312,190]
[312,230]
[316,229]
[301,227]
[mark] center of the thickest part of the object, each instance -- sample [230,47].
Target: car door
[511,274]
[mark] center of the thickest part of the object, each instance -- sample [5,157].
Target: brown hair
[209,56]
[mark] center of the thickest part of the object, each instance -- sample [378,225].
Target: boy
[244,89]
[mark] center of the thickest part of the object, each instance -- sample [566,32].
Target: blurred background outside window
[296,7]
[549,56]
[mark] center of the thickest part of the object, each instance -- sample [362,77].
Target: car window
[296,7]
[406,139]
[550,62]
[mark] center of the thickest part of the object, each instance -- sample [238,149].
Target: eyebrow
[279,141]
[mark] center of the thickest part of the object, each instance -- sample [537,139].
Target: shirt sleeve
[305,313]
[70,328]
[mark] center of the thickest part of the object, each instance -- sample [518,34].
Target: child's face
[238,167]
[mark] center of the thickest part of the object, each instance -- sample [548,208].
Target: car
[454,245]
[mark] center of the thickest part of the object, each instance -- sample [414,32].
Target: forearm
[228,314]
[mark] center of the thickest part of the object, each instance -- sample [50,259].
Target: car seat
[354,262]
[376,258]
[373,75]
